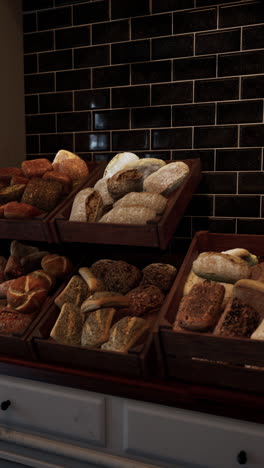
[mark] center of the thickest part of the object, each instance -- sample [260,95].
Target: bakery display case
[155,233]
[206,357]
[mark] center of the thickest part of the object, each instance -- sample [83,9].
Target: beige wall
[12,121]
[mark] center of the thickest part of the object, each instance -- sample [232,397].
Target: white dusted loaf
[167,178]
[119,162]
[154,201]
[87,206]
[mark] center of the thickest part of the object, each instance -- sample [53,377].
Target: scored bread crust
[68,326]
[74,292]
[96,329]
[221,267]
[87,206]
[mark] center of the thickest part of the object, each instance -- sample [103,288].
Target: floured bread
[125,333]
[96,329]
[68,326]
[244,254]
[87,206]
[135,214]
[118,162]
[123,182]
[154,201]
[167,178]
[101,187]
[221,267]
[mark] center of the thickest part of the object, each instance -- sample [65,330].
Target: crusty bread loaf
[119,162]
[44,194]
[125,333]
[13,322]
[72,165]
[20,211]
[129,215]
[26,294]
[121,277]
[68,326]
[123,182]
[104,299]
[193,279]
[87,206]
[64,179]
[250,292]
[147,166]
[201,309]
[145,299]
[258,334]
[94,284]
[56,265]
[96,329]
[36,167]
[167,178]
[238,319]
[217,266]
[159,274]
[75,292]
[154,201]
[102,188]
[11,193]
[244,254]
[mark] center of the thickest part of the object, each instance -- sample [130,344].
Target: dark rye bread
[201,308]
[44,194]
[121,277]
[238,319]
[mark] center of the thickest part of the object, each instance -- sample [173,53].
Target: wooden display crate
[152,234]
[39,228]
[204,358]
[140,361]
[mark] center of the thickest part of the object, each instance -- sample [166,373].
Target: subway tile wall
[172,79]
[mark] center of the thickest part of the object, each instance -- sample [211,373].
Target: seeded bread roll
[100,267]
[125,333]
[68,326]
[101,187]
[119,162]
[36,167]
[75,292]
[201,309]
[217,266]
[135,214]
[87,206]
[167,178]
[145,299]
[11,193]
[238,319]
[154,201]
[44,194]
[161,275]
[122,277]
[123,182]
[250,292]
[96,329]
[56,265]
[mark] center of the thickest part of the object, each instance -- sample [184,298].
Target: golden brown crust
[56,265]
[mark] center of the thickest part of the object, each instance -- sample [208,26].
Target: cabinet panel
[190,438]
[51,409]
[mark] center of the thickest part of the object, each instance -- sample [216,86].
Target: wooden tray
[17,344]
[140,361]
[202,357]
[150,235]
[40,228]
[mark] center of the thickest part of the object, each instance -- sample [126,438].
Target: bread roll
[11,193]
[104,299]
[26,294]
[244,254]
[201,309]
[20,211]
[17,249]
[75,292]
[145,299]
[68,326]
[123,182]
[167,178]
[217,266]
[4,288]
[13,322]
[154,201]
[119,162]
[87,206]
[102,188]
[36,167]
[250,292]
[161,275]
[121,277]
[56,265]
[96,329]
[43,194]
[129,215]
[238,319]
[32,261]
[47,280]
[125,333]
[72,165]
[64,180]
[94,284]
[100,268]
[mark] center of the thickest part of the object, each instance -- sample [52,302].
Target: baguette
[221,267]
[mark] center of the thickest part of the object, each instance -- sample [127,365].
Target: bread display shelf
[140,361]
[39,228]
[204,358]
[152,234]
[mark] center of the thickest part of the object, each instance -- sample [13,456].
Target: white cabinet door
[66,412]
[187,437]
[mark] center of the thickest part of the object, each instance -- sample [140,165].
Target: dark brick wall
[172,79]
